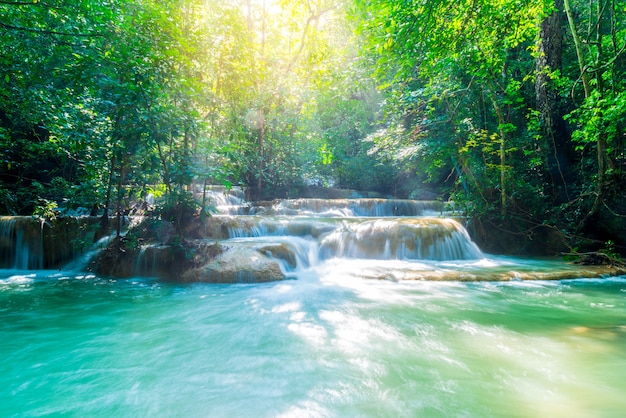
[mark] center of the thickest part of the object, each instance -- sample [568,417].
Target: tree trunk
[261,155]
[549,59]
[166,172]
[120,196]
[104,221]
[603,160]
[577,45]
[502,154]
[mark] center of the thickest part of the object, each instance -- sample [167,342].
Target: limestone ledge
[199,261]
[569,271]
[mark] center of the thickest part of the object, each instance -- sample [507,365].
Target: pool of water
[323,344]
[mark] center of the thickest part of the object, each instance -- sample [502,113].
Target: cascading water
[364,207]
[323,229]
[231,201]
[21,243]
[401,239]
[402,234]
[29,243]
[315,234]
[417,246]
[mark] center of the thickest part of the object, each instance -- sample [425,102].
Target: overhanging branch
[19,3]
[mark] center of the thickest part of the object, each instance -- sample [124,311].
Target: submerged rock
[564,272]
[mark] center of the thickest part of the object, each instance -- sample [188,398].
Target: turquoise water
[316,346]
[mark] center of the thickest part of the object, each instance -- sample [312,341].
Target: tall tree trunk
[502,153]
[166,171]
[120,196]
[604,161]
[549,59]
[104,221]
[261,153]
[577,45]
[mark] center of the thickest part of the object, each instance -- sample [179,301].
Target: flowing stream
[319,346]
[326,342]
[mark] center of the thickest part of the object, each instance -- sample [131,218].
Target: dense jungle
[513,110]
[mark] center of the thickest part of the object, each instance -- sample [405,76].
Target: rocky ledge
[150,249]
[198,261]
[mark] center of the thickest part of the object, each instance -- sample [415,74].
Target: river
[322,344]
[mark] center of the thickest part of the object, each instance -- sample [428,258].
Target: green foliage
[325,155]
[179,208]
[572,256]
[131,241]
[610,250]
[457,78]
[599,115]
[45,209]
[104,102]
[7,201]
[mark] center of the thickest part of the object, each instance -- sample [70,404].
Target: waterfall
[368,229]
[149,260]
[21,243]
[363,207]
[379,238]
[297,233]
[401,239]
[227,201]
[28,243]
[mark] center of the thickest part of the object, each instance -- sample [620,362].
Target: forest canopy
[515,110]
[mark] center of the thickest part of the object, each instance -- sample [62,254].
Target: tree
[549,57]
[479,89]
[598,120]
[45,104]
[438,57]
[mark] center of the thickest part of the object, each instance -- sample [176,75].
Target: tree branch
[594,258]
[49,32]
[19,3]
[314,16]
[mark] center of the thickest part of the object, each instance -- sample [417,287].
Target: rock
[164,231]
[280,251]
[236,264]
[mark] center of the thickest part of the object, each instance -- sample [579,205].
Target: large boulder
[237,264]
